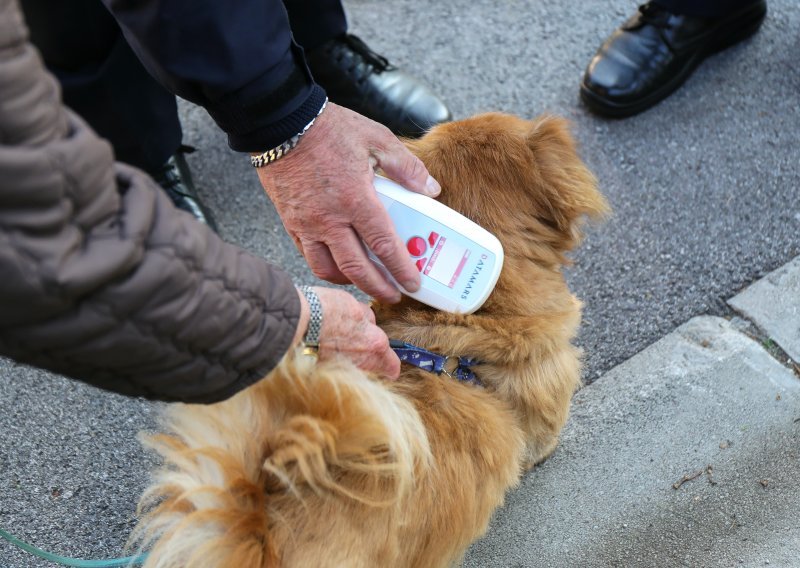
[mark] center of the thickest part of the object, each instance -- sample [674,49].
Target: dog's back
[323,466]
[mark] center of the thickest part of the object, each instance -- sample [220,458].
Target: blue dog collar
[435,363]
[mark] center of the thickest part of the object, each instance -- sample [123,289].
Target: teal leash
[76,562]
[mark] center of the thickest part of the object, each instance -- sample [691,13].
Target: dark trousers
[104,82]
[703,8]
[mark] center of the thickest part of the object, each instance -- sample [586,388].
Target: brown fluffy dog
[322,465]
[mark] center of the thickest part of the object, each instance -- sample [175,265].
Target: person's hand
[348,329]
[323,191]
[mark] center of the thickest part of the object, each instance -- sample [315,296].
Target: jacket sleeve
[101,278]
[236,59]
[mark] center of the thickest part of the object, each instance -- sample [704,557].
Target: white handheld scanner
[459,261]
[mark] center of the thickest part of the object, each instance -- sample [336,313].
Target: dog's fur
[323,465]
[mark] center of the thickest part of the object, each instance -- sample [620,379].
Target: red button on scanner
[432,238]
[421,263]
[416,246]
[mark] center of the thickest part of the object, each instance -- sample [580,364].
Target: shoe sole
[611,109]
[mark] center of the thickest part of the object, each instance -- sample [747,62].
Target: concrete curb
[773,303]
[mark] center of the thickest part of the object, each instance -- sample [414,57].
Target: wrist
[259,160]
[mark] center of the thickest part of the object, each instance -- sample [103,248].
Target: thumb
[405,168]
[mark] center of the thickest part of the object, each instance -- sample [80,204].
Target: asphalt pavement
[705,189]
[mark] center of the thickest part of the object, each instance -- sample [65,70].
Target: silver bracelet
[279,151]
[311,339]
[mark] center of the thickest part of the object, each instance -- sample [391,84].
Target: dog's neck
[436,363]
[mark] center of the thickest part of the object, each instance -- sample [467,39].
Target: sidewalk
[684,455]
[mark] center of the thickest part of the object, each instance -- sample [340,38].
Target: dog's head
[520,179]
[523,181]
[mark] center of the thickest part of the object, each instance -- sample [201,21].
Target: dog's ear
[560,184]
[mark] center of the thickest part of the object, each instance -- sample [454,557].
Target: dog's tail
[303,432]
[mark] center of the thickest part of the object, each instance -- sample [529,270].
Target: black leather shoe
[356,77]
[175,179]
[654,52]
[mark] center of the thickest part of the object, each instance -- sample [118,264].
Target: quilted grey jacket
[101,278]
